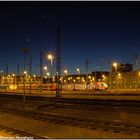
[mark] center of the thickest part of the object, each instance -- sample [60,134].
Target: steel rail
[75,104]
[115,126]
[20,133]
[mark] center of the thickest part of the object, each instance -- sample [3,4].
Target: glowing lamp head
[45,68]
[77,69]
[115,64]
[65,71]
[50,56]
[25,72]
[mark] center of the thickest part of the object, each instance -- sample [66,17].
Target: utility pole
[136,61]
[30,71]
[86,72]
[41,73]
[110,73]
[17,74]
[25,50]
[6,69]
[101,67]
[58,65]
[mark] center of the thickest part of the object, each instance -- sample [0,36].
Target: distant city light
[45,68]
[66,71]
[115,64]
[25,72]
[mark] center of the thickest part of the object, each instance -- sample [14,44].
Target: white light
[25,72]
[50,56]
[45,68]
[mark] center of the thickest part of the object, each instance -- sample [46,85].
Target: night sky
[99,31]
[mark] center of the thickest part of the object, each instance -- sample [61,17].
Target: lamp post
[51,57]
[45,69]
[78,71]
[65,72]
[115,65]
[25,72]
[14,81]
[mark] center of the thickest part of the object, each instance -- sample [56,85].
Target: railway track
[115,126]
[109,106]
[19,133]
[81,101]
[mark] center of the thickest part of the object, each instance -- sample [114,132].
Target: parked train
[53,86]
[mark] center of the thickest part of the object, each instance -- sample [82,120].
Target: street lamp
[45,75]
[45,68]
[65,80]
[14,80]
[65,72]
[51,57]
[115,65]
[78,70]
[25,73]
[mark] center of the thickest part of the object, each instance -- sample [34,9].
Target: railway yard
[85,116]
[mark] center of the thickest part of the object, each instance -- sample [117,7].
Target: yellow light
[119,74]
[115,64]
[77,78]
[139,73]
[45,68]
[12,87]
[50,56]
[78,69]
[25,72]
[13,74]
[65,71]
[48,74]
[89,77]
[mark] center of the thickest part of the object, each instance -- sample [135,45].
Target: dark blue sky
[104,31]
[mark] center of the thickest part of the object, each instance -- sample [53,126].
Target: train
[66,86]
